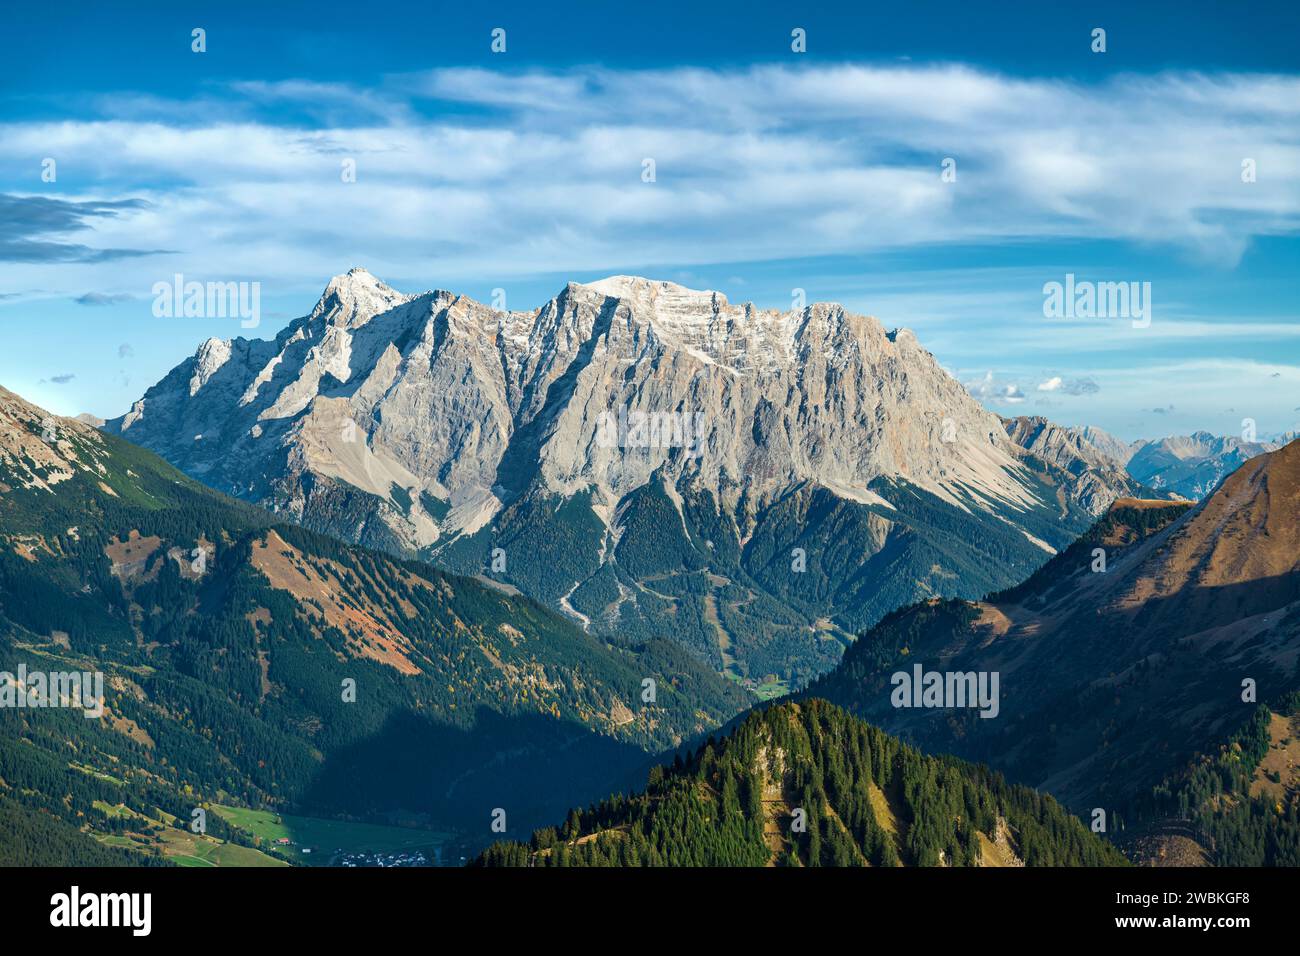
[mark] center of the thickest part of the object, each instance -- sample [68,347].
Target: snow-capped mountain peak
[355,297]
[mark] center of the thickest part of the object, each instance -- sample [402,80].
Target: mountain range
[646,458]
[1150,670]
[1177,466]
[250,662]
[1192,465]
[1148,676]
[638,496]
[1126,659]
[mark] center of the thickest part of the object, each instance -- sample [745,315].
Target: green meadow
[326,838]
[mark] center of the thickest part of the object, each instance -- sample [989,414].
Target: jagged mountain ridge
[439,426]
[1193,465]
[1181,466]
[1087,455]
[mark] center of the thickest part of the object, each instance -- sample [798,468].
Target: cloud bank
[468,172]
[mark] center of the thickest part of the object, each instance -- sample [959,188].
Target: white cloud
[989,389]
[1156,397]
[1074,386]
[540,172]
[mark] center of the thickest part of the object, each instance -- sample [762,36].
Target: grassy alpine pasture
[181,847]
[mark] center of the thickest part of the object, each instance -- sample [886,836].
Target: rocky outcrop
[1086,455]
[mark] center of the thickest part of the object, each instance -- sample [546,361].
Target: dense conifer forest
[809,785]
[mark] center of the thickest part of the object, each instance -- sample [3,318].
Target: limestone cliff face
[1092,462]
[413,422]
[442,394]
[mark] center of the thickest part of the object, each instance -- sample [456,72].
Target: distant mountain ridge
[1184,466]
[1087,455]
[1193,465]
[642,456]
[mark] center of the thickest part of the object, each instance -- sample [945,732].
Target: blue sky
[774,171]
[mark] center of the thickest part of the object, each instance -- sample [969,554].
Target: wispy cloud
[498,177]
[990,389]
[34,229]
[523,173]
[103,298]
[1074,386]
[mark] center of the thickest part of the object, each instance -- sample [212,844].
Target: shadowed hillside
[1146,643]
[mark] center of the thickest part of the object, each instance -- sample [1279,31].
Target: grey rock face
[428,392]
[417,423]
[1088,456]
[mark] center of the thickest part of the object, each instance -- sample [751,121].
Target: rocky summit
[650,459]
